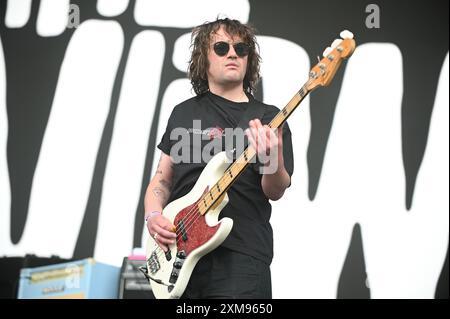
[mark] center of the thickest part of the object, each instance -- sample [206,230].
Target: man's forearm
[157,194]
[275,184]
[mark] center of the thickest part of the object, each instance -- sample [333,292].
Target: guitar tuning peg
[335,43]
[346,34]
[327,51]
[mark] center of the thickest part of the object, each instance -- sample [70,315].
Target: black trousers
[227,274]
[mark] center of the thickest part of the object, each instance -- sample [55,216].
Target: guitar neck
[240,164]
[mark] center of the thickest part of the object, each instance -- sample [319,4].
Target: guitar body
[198,234]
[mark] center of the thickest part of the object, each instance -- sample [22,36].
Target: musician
[224,71]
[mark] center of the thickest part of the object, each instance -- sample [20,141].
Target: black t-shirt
[248,206]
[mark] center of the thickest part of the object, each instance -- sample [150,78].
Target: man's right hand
[162,231]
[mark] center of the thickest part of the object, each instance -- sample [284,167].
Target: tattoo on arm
[162,191]
[159,192]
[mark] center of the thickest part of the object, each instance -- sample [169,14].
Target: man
[224,70]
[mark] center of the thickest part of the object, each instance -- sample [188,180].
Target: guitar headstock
[323,72]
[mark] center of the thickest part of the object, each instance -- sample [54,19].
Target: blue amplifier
[83,279]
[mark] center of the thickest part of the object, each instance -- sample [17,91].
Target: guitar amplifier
[133,284]
[10,271]
[83,279]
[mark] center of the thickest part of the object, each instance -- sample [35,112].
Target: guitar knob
[327,51]
[173,277]
[336,43]
[177,265]
[346,34]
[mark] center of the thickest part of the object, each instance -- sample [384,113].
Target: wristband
[154,213]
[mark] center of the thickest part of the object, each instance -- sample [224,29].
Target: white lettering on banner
[53,17]
[17,13]
[6,246]
[172,13]
[126,162]
[66,161]
[111,8]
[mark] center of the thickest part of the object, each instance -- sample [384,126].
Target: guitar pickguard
[192,229]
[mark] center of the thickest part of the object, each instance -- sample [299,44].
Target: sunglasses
[221,48]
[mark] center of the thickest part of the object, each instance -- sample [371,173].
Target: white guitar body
[211,231]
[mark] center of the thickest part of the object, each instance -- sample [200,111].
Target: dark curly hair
[201,40]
